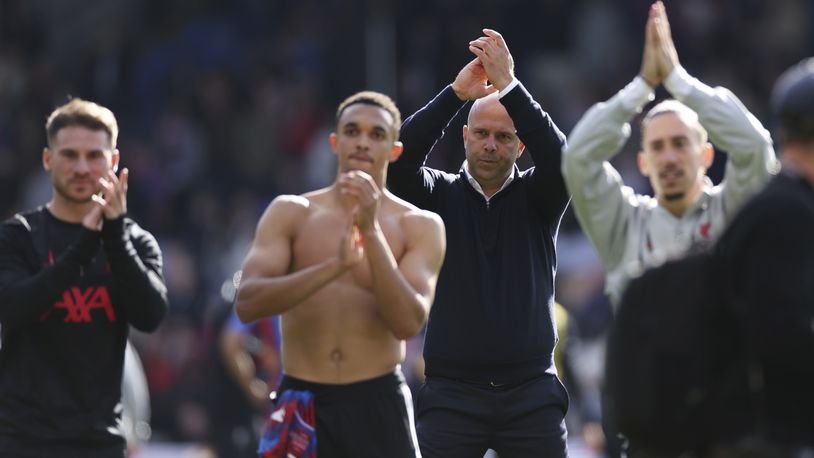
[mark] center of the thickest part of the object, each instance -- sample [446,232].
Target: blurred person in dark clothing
[489,348]
[738,321]
[74,275]
[767,262]
[351,270]
[246,370]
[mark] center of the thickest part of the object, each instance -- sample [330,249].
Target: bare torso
[337,335]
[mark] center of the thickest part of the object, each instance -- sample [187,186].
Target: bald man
[490,375]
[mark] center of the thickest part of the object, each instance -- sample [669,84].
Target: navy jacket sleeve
[135,260]
[544,142]
[407,177]
[24,294]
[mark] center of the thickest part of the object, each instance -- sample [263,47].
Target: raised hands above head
[494,54]
[659,57]
[472,82]
[491,71]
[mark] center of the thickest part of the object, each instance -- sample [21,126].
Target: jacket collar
[477,187]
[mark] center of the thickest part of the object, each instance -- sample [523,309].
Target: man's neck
[677,207]
[70,212]
[488,189]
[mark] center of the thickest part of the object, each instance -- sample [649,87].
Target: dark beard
[672,197]
[65,195]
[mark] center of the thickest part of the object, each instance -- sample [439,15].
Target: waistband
[493,385]
[497,373]
[328,392]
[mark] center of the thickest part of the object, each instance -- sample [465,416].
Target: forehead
[366,114]
[666,125]
[490,114]
[81,138]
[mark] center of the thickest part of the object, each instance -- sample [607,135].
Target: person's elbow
[247,306]
[150,318]
[405,331]
[571,166]
[410,326]
[245,312]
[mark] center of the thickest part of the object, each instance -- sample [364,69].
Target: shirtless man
[351,269]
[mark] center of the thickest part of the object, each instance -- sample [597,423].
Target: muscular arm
[25,296]
[601,201]
[266,286]
[135,260]
[404,291]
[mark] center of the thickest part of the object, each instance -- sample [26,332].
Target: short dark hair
[376,99]
[78,112]
[793,102]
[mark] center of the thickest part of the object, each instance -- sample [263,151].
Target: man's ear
[332,140]
[46,159]
[707,155]
[398,148]
[465,132]
[114,160]
[642,162]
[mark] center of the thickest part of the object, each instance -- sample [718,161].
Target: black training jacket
[492,319]
[67,298]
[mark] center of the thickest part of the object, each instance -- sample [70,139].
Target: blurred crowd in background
[225,104]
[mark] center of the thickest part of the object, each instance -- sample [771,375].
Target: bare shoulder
[422,219]
[287,204]
[284,212]
[415,219]
[317,198]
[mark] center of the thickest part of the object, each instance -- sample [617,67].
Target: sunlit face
[674,158]
[491,143]
[76,159]
[365,139]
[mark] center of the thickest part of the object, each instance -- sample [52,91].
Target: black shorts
[37,448]
[371,418]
